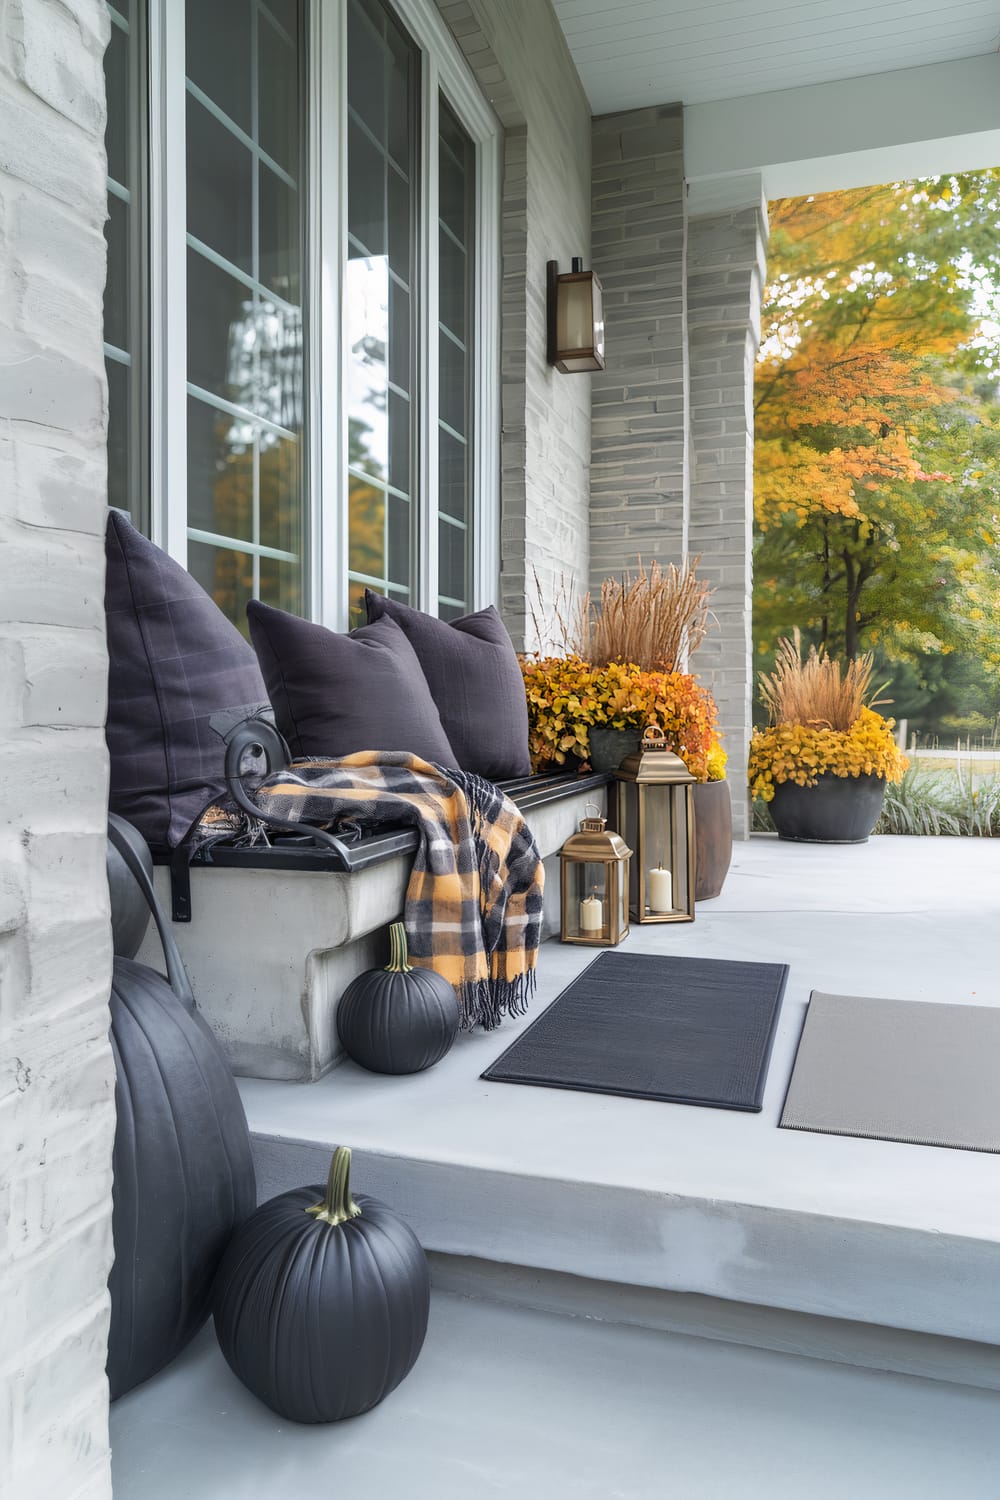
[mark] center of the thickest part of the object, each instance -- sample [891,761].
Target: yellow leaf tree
[877,440]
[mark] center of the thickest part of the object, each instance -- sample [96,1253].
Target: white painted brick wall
[56,1072]
[517,51]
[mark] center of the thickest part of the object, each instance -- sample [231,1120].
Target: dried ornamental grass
[816,690]
[655,620]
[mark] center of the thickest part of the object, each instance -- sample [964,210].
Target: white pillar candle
[661,890]
[591,914]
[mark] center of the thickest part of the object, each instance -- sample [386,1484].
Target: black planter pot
[609,746]
[838,810]
[713,837]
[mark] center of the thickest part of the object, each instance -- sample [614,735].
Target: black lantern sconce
[575,310]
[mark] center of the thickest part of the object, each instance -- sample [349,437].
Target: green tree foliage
[877,483]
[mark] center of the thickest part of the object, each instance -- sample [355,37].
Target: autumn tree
[877,482]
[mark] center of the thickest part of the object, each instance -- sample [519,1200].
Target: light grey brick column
[725,272]
[638,477]
[56,1067]
[519,55]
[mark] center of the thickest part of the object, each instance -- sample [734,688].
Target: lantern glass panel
[680,861]
[595,902]
[586,912]
[658,847]
[628,827]
[574,314]
[598,318]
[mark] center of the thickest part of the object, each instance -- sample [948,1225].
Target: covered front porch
[597,1260]
[199,274]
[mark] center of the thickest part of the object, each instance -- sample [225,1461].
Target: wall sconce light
[575,319]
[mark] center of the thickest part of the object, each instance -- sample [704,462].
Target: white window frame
[444,71]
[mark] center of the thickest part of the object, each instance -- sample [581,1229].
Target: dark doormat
[683,1030]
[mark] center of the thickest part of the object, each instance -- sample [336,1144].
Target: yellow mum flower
[799,753]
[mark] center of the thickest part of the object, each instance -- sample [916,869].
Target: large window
[301,306]
[380,303]
[456,332]
[245,283]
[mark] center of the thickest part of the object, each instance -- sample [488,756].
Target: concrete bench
[275,937]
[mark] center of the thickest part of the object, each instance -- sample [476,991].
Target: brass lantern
[653,808]
[594,865]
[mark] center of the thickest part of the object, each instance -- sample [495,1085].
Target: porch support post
[726,240]
[57,1075]
[638,475]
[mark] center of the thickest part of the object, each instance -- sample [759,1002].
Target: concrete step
[709,1205]
[665,1197]
[505,1400]
[879,1296]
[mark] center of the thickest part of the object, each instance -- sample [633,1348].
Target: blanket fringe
[486,1002]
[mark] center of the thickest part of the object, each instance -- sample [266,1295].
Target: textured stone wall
[56,1071]
[520,57]
[725,278]
[638,469]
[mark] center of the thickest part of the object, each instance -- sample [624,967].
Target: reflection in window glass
[378,304]
[245,161]
[456,208]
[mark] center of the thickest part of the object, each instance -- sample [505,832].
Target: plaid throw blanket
[473,908]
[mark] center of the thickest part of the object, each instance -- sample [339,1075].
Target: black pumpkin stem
[398,953]
[338,1206]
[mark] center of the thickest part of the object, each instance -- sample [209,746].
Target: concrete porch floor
[696,1200]
[509,1402]
[644,1224]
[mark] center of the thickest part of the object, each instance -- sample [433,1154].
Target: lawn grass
[946,761]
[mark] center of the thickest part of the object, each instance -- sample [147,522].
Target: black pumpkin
[398,1019]
[321,1301]
[129,909]
[183,1171]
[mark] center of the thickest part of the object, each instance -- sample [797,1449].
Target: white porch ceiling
[631,53]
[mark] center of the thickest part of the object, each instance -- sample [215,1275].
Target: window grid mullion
[169,282]
[484,574]
[428,300]
[326,174]
[255,266]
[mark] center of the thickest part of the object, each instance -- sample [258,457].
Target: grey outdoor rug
[683,1030]
[898,1070]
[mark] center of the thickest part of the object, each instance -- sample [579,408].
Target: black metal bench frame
[296,848]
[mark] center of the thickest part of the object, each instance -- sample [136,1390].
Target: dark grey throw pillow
[473,674]
[334,694]
[175,663]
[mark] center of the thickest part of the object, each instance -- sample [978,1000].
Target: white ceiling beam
[913,122]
